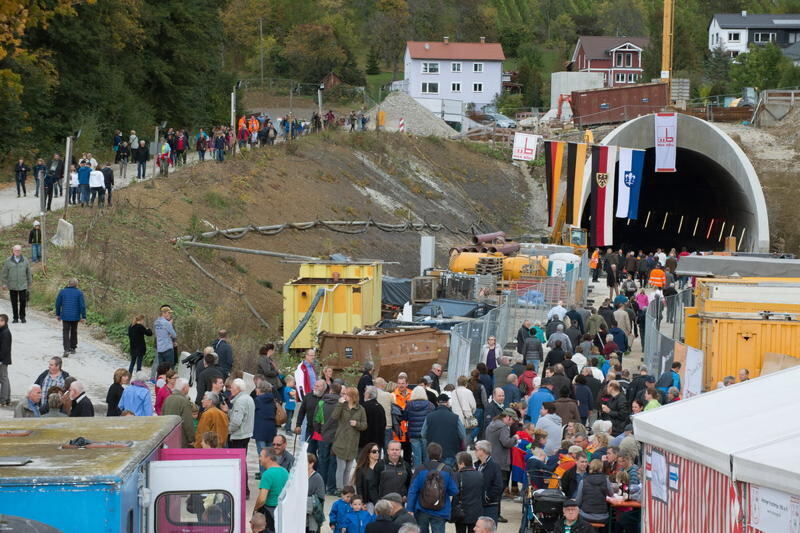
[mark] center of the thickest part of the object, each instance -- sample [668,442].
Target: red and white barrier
[402,125]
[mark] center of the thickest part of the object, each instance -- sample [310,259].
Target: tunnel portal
[714,181]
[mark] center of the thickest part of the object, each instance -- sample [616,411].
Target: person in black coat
[383,519]
[206,377]
[570,368]
[5,360]
[81,404]
[114,395]
[376,418]
[136,334]
[470,494]
[492,480]
[365,380]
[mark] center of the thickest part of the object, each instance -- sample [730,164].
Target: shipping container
[352,299]
[732,341]
[748,295]
[412,351]
[617,104]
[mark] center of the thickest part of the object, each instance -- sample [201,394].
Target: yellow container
[513,267]
[730,344]
[352,299]
[747,295]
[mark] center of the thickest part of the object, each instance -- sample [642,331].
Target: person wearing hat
[649,386]
[444,427]
[571,522]
[499,436]
[400,515]
[35,240]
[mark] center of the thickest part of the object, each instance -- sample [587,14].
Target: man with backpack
[431,491]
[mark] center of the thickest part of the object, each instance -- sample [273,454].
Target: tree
[390,29]
[761,67]
[313,50]
[372,62]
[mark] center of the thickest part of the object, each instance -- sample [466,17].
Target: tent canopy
[706,266]
[772,465]
[711,428]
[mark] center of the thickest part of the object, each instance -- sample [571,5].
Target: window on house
[455,67]
[619,77]
[631,78]
[430,68]
[618,60]
[477,87]
[629,59]
[430,88]
[733,36]
[477,67]
[455,87]
[763,37]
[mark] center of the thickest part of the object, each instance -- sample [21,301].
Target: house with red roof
[618,58]
[442,72]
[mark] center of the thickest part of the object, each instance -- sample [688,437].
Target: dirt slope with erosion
[127,264]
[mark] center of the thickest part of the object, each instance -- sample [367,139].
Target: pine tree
[372,62]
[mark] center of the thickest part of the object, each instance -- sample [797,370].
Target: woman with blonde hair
[352,420]
[136,334]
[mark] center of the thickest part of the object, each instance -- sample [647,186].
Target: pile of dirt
[418,120]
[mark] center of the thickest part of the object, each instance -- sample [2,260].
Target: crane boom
[667,43]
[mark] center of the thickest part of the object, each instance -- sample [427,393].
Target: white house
[734,32]
[446,77]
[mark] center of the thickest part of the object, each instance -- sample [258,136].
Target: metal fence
[664,324]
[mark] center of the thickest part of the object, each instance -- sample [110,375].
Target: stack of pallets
[490,266]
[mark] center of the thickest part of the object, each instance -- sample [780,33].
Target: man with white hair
[385,399]
[28,407]
[492,478]
[81,404]
[16,276]
[559,335]
[242,418]
[485,525]
[306,373]
[178,404]
[435,374]
[376,419]
[557,310]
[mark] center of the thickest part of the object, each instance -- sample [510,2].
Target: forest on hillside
[130,64]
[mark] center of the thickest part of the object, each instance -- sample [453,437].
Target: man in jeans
[70,309]
[165,337]
[141,155]
[431,520]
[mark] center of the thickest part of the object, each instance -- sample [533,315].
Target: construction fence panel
[664,324]
[467,340]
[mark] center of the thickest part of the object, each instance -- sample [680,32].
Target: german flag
[576,161]
[553,156]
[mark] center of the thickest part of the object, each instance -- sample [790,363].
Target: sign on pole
[666,132]
[525,146]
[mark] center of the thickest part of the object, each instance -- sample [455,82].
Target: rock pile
[418,120]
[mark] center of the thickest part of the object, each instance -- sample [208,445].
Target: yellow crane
[667,43]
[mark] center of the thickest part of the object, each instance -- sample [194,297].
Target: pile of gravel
[418,120]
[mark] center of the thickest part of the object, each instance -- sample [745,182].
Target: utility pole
[233,121]
[319,99]
[67,163]
[291,92]
[261,47]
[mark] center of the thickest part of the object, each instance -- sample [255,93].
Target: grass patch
[265,283]
[230,260]
[215,200]
[493,151]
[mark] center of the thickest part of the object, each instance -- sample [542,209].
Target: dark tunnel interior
[700,188]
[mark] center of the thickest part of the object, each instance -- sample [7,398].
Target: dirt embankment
[127,264]
[775,157]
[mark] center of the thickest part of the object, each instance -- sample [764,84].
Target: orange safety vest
[658,278]
[594,260]
[242,122]
[401,400]
[253,125]
[565,463]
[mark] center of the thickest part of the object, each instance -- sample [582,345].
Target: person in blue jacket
[341,508]
[357,520]
[544,394]
[432,520]
[70,309]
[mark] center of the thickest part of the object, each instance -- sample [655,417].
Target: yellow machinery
[513,267]
[737,321]
[332,297]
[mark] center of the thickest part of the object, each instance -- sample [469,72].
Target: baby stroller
[541,508]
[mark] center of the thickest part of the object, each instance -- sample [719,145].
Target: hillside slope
[127,263]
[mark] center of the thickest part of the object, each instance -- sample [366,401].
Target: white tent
[772,465]
[735,425]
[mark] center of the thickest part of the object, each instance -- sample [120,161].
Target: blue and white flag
[629,182]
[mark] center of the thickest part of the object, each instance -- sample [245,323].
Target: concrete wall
[703,137]
[566,82]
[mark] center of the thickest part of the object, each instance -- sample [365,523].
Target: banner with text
[666,132]
[525,146]
[774,511]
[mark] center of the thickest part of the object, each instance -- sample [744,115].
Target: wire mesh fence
[664,324]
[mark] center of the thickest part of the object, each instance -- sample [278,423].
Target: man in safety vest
[658,278]
[401,397]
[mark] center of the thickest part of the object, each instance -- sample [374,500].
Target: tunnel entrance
[700,191]
[714,181]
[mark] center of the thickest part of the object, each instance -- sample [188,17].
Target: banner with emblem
[666,137]
[631,165]
[604,159]
[553,156]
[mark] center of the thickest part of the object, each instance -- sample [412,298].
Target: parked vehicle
[501,121]
[132,477]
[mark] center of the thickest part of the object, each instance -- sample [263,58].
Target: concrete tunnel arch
[714,178]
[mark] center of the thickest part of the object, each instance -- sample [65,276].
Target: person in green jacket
[352,420]
[16,276]
[178,403]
